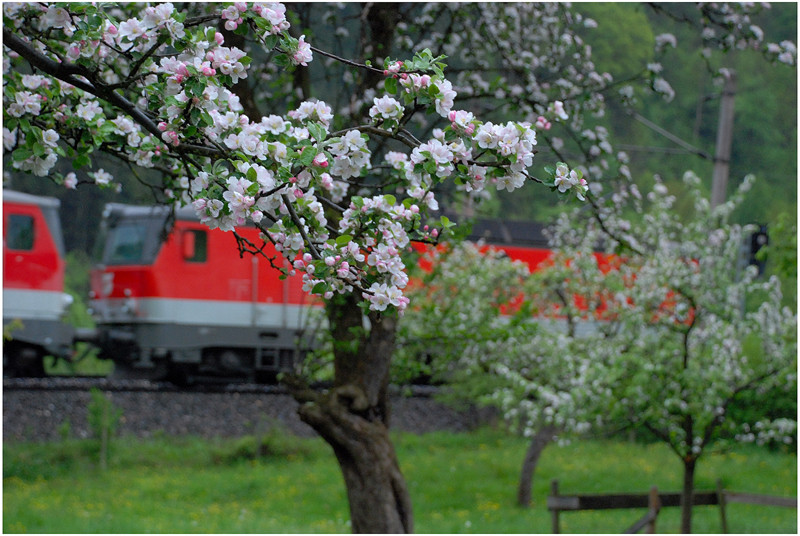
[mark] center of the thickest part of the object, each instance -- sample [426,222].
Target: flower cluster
[386,109]
[176,111]
[372,264]
[784,52]
[566,179]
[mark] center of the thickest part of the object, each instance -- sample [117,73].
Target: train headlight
[66,301]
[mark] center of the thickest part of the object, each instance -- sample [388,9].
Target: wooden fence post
[721,501]
[654,505]
[554,512]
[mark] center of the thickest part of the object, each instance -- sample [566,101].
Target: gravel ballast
[40,415]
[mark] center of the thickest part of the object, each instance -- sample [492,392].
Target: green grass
[88,365]
[459,483]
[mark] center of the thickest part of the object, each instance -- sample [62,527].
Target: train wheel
[124,371]
[23,361]
[181,375]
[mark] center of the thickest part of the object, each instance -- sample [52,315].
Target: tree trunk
[540,440]
[376,489]
[687,494]
[353,417]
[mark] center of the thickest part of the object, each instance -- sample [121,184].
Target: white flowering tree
[481,323]
[665,329]
[682,327]
[155,87]
[544,379]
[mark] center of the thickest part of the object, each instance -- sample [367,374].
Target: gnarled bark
[353,417]
[376,489]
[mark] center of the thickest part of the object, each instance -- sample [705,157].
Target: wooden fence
[654,501]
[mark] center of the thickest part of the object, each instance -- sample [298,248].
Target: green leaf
[343,240]
[252,174]
[445,222]
[270,42]
[196,86]
[285,173]
[357,201]
[317,131]
[320,288]
[307,156]
[390,199]
[82,160]
[390,84]
[21,153]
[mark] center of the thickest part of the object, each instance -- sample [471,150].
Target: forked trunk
[353,417]
[540,440]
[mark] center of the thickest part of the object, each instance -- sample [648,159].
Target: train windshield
[131,239]
[126,243]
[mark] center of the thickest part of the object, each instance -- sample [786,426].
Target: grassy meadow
[460,483]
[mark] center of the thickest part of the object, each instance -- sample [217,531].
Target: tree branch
[68,72]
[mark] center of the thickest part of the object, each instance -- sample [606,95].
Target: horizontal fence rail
[764,500]
[624,500]
[654,501]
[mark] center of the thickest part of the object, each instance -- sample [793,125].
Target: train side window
[195,245]
[20,233]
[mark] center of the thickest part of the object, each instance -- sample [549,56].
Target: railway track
[87,383]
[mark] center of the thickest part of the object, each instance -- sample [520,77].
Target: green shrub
[104,418]
[274,443]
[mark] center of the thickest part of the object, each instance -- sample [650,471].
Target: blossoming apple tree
[498,341]
[340,190]
[663,327]
[541,378]
[154,86]
[684,328]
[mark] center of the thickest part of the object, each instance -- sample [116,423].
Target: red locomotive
[171,298]
[176,300]
[34,300]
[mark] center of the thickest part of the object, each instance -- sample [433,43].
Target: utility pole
[722,156]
